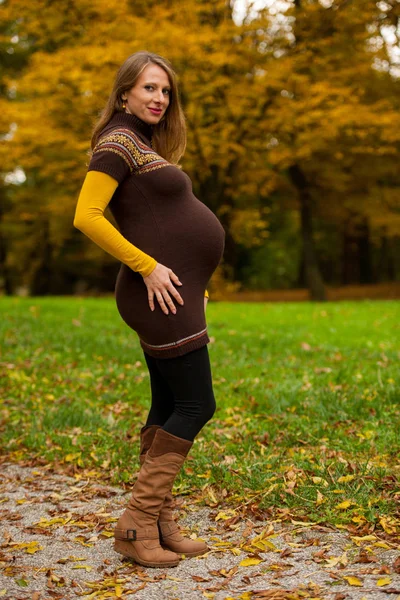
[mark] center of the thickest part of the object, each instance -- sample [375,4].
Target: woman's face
[151,91]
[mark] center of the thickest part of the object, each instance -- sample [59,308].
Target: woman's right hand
[159,284]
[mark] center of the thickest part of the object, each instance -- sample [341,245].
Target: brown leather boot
[136,533]
[170,534]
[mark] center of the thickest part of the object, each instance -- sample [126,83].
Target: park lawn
[308,404]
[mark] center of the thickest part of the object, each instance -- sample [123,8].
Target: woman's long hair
[169,135]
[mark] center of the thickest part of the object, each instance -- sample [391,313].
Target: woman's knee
[199,409]
[209,409]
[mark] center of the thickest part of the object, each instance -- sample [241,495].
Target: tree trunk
[386,270]
[350,262]
[364,250]
[312,272]
[4,273]
[41,282]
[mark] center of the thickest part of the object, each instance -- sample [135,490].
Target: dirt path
[56,543]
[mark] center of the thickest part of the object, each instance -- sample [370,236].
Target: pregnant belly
[193,238]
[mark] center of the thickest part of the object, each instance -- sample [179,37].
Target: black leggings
[182,395]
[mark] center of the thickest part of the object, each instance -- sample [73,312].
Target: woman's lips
[155,111]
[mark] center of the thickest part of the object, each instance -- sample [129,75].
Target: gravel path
[56,543]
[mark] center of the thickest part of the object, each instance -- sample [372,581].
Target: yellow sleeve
[206,294]
[97,191]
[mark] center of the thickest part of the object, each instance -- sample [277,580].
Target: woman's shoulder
[127,144]
[119,135]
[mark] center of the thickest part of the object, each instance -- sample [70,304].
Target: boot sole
[187,554]
[126,549]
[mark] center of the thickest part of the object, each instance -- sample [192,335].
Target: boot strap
[133,534]
[168,528]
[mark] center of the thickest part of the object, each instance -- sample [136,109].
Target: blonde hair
[169,135]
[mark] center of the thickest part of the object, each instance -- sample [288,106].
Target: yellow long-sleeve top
[97,190]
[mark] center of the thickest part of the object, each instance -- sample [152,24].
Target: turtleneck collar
[130,120]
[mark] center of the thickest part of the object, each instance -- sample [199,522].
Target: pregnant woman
[168,240]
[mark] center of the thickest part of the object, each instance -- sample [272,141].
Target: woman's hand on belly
[159,284]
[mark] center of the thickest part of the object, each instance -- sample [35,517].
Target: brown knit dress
[155,209]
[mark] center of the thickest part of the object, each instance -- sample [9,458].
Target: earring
[123,104]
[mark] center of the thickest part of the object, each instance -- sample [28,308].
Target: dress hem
[176,348]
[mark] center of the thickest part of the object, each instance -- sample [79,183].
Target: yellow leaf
[205,475]
[381,545]
[212,497]
[335,560]
[346,478]
[81,541]
[225,544]
[247,562]
[32,547]
[3,592]
[353,580]
[358,519]
[344,505]
[29,547]
[225,515]
[71,457]
[260,544]
[320,480]
[320,498]
[365,538]
[270,545]
[383,581]
[388,525]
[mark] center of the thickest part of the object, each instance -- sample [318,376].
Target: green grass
[307,396]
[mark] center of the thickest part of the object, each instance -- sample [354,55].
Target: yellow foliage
[255,101]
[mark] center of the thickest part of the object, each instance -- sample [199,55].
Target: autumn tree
[331,121]
[293,109]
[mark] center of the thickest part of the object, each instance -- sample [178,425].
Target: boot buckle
[131,537]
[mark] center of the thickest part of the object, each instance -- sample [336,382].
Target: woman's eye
[150,86]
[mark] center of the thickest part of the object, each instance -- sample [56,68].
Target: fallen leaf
[383,581]
[247,562]
[345,478]
[381,545]
[344,505]
[320,480]
[365,538]
[335,560]
[396,565]
[353,580]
